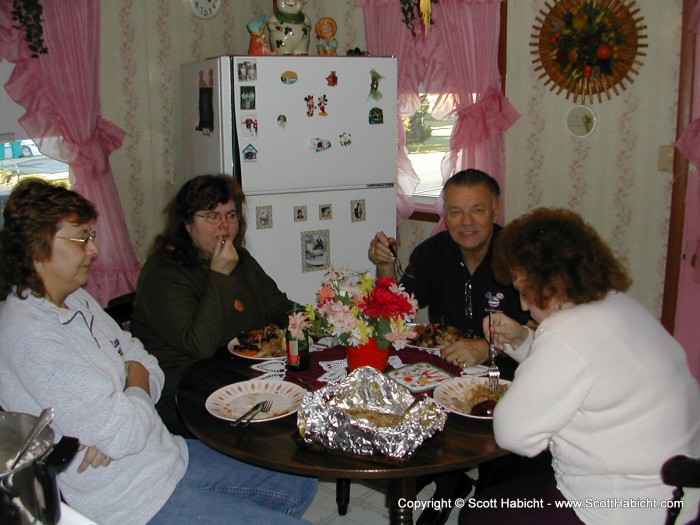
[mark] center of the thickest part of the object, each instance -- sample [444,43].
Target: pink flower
[298,322]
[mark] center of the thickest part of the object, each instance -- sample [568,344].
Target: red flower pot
[368,354]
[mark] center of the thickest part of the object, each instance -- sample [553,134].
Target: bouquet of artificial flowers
[353,308]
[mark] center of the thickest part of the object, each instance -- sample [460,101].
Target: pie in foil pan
[368,413]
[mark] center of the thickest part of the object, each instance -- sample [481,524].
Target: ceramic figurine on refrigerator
[326,29]
[289,28]
[258,38]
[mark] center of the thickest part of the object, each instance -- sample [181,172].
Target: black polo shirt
[438,277]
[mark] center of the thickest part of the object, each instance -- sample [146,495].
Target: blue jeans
[220,490]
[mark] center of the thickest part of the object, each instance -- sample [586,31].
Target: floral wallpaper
[610,177]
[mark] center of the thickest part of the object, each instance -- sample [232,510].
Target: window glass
[428,134]
[20,159]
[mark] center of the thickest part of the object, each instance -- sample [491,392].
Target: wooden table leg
[342,495]
[401,490]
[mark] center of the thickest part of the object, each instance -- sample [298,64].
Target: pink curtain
[387,36]
[60,92]
[458,57]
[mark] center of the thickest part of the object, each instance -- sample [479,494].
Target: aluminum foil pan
[369,414]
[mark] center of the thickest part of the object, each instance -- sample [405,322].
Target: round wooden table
[463,444]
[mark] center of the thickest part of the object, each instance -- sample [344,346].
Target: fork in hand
[493,372]
[266,406]
[398,267]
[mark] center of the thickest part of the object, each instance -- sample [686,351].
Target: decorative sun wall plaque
[588,47]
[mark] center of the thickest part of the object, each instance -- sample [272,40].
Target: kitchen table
[463,444]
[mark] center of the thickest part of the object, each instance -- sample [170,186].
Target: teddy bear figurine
[289,29]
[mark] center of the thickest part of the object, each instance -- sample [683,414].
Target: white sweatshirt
[74,361]
[609,391]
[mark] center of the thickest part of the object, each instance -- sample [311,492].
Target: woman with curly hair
[600,383]
[200,287]
[59,349]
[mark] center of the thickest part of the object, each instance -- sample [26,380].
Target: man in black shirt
[450,274]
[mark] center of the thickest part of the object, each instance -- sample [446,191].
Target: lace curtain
[459,60]
[60,93]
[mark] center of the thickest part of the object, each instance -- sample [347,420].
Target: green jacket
[184,314]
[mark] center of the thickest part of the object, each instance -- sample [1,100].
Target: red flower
[383,303]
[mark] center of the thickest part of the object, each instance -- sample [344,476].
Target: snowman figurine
[289,29]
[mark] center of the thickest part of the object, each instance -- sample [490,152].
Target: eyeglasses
[215,217]
[89,236]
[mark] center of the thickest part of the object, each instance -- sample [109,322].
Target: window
[427,142]
[20,158]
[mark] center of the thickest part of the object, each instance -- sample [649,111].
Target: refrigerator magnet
[247,97]
[376,116]
[320,144]
[315,250]
[374,92]
[282,121]
[345,139]
[289,78]
[322,103]
[357,210]
[263,217]
[247,70]
[325,212]
[332,79]
[249,127]
[310,105]
[299,213]
[250,154]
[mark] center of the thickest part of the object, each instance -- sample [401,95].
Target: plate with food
[430,336]
[419,377]
[470,396]
[232,401]
[261,344]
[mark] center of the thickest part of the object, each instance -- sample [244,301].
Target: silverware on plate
[253,410]
[266,406]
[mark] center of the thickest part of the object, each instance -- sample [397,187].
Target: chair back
[680,472]
[120,309]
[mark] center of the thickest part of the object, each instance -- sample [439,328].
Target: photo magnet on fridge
[263,217]
[358,210]
[315,250]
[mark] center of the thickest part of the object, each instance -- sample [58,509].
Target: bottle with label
[297,352]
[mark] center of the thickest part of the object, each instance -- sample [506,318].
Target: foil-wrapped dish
[369,414]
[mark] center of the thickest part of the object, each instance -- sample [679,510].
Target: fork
[494,373]
[398,266]
[266,406]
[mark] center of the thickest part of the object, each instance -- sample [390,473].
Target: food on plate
[262,342]
[482,400]
[484,409]
[377,419]
[438,335]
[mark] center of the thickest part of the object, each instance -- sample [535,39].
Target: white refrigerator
[313,142]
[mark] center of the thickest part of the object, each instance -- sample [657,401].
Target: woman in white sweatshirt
[601,384]
[58,348]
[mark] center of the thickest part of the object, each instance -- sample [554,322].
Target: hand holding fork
[494,373]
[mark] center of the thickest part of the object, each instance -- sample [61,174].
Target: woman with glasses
[59,349]
[200,287]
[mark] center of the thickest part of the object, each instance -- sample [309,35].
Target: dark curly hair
[560,255]
[32,217]
[204,192]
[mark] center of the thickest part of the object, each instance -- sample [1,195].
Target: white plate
[233,344]
[232,401]
[452,395]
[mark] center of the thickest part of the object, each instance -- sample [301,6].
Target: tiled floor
[367,506]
